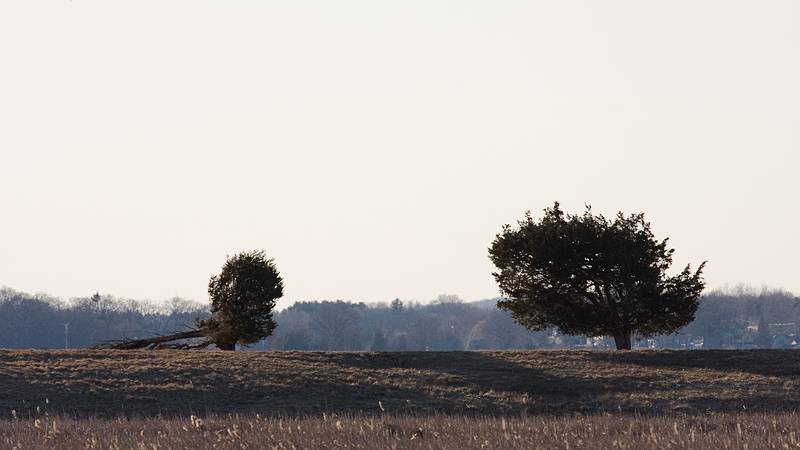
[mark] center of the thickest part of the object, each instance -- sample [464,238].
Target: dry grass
[717,431]
[461,400]
[101,383]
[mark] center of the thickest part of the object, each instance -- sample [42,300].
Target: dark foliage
[591,276]
[242,297]
[730,319]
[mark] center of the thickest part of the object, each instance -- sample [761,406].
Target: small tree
[242,296]
[590,276]
[397,305]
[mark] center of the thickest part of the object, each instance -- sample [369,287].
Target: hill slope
[133,383]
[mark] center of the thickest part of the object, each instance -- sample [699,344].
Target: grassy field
[101,383]
[715,431]
[460,400]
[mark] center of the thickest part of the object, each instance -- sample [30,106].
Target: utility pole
[66,335]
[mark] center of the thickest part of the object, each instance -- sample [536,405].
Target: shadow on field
[477,371]
[566,382]
[771,363]
[178,383]
[166,383]
[493,383]
[147,383]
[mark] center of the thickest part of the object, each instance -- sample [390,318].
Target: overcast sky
[375,148]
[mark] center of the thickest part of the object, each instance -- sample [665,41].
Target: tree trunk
[623,341]
[226,346]
[132,344]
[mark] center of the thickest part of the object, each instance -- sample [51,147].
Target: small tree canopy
[243,296]
[588,275]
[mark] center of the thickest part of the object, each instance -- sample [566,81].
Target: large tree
[242,297]
[588,275]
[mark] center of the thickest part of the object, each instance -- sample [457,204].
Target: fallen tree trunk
[158,342]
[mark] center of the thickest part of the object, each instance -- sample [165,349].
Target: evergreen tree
[242,296]
[591,276]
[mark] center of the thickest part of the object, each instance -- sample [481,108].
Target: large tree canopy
[588,275]
[243,296]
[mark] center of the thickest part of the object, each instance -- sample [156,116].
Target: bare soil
[142,383]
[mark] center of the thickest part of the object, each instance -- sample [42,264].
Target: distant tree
[401,342]
[763,338]
[336,324]
[397,305]
[482,337]
[293,331]
[378,341]
[717,320]
[447,299]
[591,276]
[242,296]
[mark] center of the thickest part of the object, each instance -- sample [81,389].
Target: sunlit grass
[718,431]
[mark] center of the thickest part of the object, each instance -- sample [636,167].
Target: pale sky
[375,148]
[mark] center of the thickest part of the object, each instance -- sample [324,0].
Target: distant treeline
[40,321]
[731,319]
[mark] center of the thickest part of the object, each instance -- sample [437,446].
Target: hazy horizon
[375,149]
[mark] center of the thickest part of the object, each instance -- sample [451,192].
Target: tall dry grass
[715,431]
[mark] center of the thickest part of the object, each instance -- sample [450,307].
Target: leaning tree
[242,296]
[592,276]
